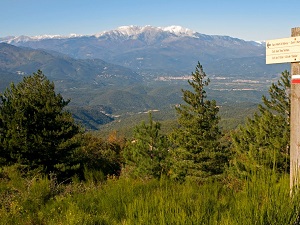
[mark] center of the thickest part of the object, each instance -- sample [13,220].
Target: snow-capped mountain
[128,32]
[131,31]
[178,30]
[134,31]
[23,38]
[149,48]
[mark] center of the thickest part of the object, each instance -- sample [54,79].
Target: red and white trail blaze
[296,79]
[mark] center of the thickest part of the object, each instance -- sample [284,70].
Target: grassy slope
[264,198]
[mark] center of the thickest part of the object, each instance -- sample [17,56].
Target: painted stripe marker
[296,79]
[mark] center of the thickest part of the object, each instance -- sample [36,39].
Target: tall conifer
[264,140]
[147,154]
[35,130]
[197,152]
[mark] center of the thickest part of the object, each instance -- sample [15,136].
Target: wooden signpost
[281,51]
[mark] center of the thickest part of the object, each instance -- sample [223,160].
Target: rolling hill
[64,70]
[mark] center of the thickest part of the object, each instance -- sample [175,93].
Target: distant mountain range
[64,70]
[151,51]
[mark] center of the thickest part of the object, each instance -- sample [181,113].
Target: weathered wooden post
[282,51]
[295,118]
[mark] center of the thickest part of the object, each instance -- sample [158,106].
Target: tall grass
[263,199]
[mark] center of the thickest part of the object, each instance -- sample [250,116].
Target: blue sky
[245,19]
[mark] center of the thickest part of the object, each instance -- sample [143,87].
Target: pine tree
[264,140]
[35,130]
[198,153]
[147,154]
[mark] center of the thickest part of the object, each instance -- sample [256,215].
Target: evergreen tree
[198,153]
[264,139]
[35,131]
[147,154]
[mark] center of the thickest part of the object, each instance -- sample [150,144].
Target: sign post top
[283,50]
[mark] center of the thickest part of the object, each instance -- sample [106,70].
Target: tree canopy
[198,153]
[147,153]
[264,139]
[35,130]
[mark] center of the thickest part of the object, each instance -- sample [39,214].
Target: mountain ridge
[130,30]
[150,50]
[58,67]
[162,51]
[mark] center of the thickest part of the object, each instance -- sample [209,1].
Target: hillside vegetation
[54,172]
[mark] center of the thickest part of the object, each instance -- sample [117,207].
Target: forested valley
[195,171]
